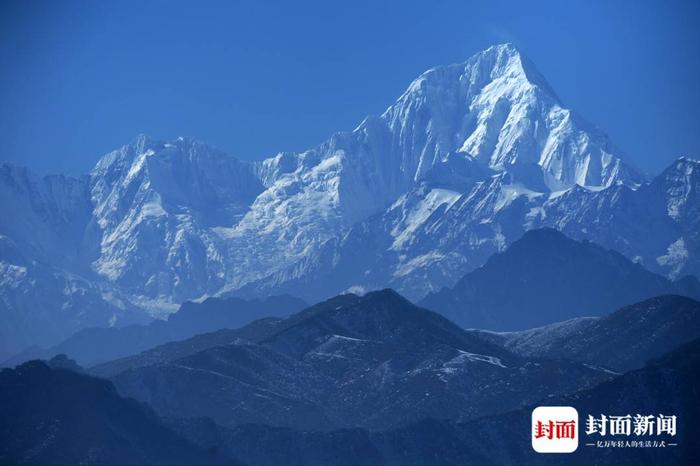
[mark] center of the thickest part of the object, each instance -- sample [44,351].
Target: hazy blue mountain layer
[545,277]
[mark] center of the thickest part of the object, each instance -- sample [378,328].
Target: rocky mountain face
[470,157]
[545,277]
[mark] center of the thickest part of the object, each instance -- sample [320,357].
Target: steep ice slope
[158,205]
[47,290]
[47,218]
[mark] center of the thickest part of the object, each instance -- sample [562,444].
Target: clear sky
[78,79]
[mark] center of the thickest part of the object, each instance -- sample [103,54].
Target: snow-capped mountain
[158,206]
[468,158]
[46,244]
[485,133]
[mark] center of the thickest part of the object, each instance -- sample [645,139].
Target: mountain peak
[505,47]
[685,164]
[506,61]
[504,54]
[539,272]
[385,295]
[543,234]
[520,65]
[683,170]
[498,61]
[145,146]
[497,109]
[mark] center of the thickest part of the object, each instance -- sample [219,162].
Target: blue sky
[252,78]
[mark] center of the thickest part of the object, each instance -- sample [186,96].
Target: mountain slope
[376,362]
[156,204]
[458,215]
[667,385]
[255,332]
[47,290]
[59,417]
[646,330]
[545,277]
[95,345]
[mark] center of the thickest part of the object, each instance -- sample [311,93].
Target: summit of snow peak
[498,109]
[503,61]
